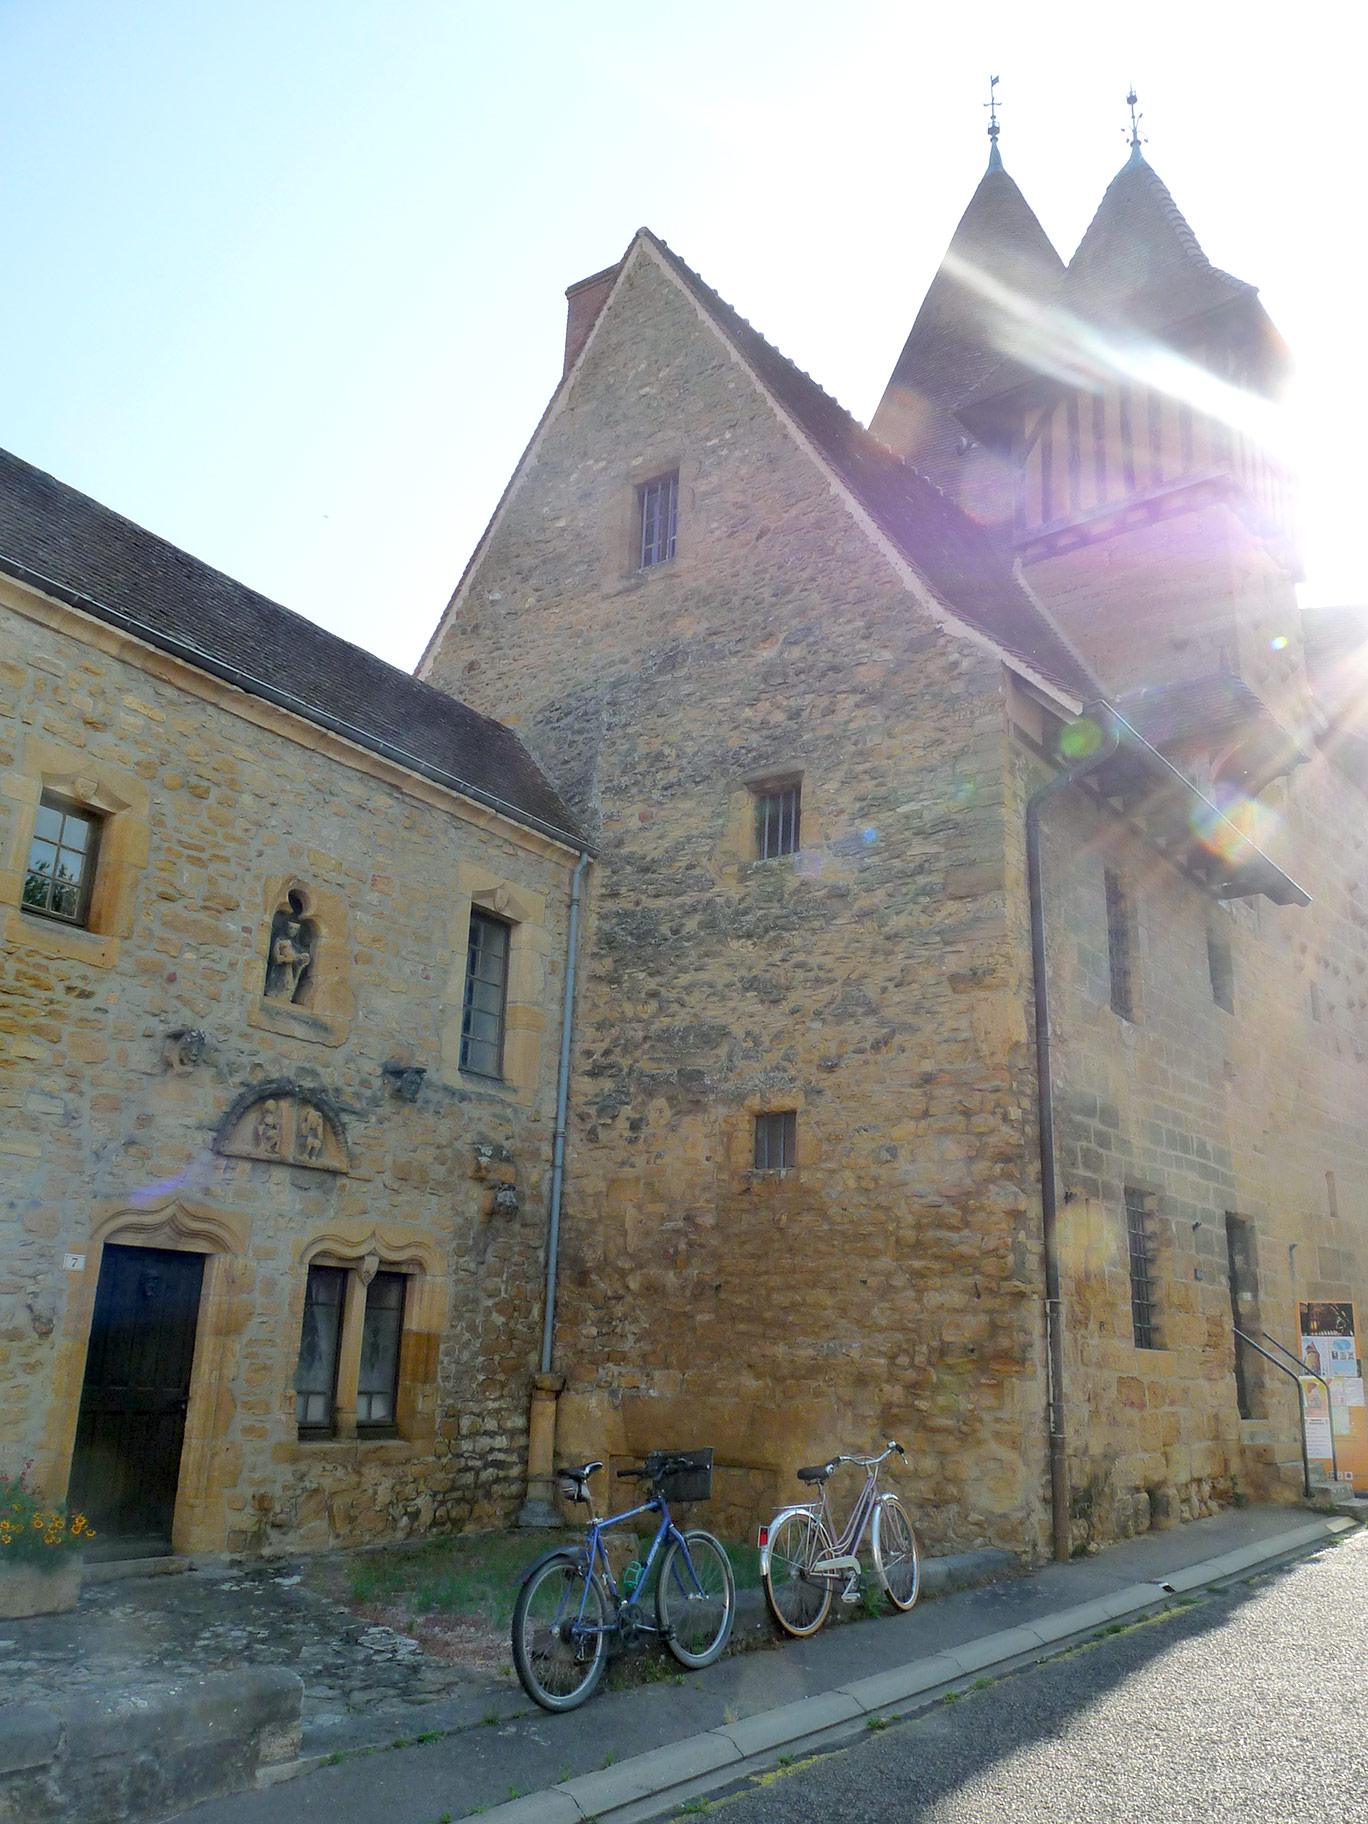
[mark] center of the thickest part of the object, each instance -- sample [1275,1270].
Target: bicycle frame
[594,1556]
[843,1558]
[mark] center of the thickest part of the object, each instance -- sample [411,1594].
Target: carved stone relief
[285,1125]
[290,973]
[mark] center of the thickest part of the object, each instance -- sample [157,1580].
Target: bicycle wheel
[559,1644]
[799,1601]
[695,1607]
[896,1558]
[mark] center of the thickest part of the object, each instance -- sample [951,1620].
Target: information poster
[1330,1349]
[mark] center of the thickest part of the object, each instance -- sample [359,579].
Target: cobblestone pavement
[153,1629]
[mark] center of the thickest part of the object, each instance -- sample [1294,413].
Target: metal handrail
[1311,1374]
[1296,1375]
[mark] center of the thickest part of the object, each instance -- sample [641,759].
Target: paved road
[1251,1706]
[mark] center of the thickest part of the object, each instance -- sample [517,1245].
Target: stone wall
[890,1284]
[216,803]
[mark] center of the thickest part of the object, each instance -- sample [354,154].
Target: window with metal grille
[61,862]
[1140,1246]
[1221,968]
[486,985]
[776,1141]
[381,1330]
[778,818]
[1119,946]
[658,511]
[320,1345]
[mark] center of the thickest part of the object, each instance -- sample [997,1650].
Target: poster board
[1330,1346]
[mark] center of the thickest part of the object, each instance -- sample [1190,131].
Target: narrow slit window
[778,820]
[61,861]
[1221,968]
[381,1331]
[1140,1248]
[1119,947]
[658,513]
[776,1141]
[320,1344]
[486,988]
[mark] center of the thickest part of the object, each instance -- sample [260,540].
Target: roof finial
[1137,138]
[994,156]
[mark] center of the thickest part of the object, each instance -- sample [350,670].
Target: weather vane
[991,105]
[1137,139]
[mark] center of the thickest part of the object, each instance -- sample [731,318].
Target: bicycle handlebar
[869,1462]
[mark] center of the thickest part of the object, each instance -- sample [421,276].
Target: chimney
[585,299]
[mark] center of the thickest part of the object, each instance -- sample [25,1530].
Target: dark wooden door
[137,1385]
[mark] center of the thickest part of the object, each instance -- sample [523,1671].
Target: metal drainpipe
[562,1101]
[1049,1193]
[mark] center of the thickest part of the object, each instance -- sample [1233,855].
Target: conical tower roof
[999,255]
[1139,262]
[1139,272]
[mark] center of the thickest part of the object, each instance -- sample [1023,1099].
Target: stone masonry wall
[108,1126]
[890,1284]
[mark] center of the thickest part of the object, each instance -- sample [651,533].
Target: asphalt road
[1251,1706]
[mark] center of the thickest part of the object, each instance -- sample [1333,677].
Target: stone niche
[284,1124]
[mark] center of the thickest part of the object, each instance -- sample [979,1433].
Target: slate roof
[71,547]
[965,564]
[1139,270]
[1216,708]
[961,334]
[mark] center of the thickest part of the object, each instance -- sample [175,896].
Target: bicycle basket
[689,1480]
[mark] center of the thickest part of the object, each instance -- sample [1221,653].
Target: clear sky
[285,277]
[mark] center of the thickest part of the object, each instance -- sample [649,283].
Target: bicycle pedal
[851,1593]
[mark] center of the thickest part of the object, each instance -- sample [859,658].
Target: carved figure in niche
[294,941]
[308,1132]
[266,1132]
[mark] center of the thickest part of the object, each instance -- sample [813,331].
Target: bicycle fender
[797,1507]
[557,1551]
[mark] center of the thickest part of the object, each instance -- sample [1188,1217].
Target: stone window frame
[622,547]
[738,1141]
[524,911]
[327,1018]
[740,847]
[361,1250]
[122,802]
[652,552]
[765,791]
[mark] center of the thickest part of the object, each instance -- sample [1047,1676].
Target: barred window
[778,819]
[1140,1247]
[1119,946]
[61,862]
[776,1141]
[486,987]
[658,510]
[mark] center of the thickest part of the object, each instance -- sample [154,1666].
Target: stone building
[966,792]
[283,947]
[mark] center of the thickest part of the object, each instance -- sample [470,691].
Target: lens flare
[869,834]
[1080,739]
[1278,643]
[1234,827]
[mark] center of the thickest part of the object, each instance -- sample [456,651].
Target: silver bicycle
[802,1564]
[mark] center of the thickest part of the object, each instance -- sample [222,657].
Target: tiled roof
[69,546]
[965,565]
[963,330]
[1219,709]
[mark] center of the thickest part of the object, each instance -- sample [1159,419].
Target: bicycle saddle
[579,1475]
[816,1472]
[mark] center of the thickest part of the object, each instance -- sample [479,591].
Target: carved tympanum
[294,943]
[286,1124]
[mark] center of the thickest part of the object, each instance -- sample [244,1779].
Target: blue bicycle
[569,1603]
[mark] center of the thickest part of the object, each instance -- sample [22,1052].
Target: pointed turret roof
[999,254]
[1139,270]
[1139,262]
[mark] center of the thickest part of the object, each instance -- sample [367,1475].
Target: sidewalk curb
[641,1788]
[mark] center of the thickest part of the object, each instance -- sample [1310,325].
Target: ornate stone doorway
[129,1435]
